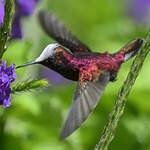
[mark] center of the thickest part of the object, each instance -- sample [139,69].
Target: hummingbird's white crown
[47,52]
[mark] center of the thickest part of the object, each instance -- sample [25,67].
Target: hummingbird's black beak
[27,64]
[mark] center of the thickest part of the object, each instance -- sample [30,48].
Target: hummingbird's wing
[85,99]
[56,30]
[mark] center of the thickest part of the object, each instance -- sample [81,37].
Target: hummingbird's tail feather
[131,48]
[27,64]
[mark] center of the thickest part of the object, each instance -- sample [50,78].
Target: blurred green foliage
[33,122]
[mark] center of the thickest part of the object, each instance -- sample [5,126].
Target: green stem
[4,34]
[6,27]
[28,85]
[2,126]
[117,112]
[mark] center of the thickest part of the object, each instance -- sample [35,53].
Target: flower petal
[2,11]
[7,75]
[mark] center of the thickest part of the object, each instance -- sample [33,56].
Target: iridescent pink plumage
[94,62]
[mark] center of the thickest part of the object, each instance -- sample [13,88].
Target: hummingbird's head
[47,53]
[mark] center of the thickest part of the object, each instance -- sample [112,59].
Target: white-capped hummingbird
[75,61]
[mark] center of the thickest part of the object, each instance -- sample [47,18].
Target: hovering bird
[75,61]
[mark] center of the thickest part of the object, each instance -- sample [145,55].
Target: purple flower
[24,8]
[2,5]
[7,76]
[140,9]
[16,32]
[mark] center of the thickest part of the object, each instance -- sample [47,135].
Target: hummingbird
[75,61]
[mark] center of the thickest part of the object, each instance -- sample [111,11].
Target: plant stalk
[6,27]
[118,109]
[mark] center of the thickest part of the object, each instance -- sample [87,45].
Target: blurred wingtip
[62,137]
[41,12]
[65,132]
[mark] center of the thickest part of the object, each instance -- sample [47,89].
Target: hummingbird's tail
[131,48]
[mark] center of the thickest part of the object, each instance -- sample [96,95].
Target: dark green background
[34,120]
